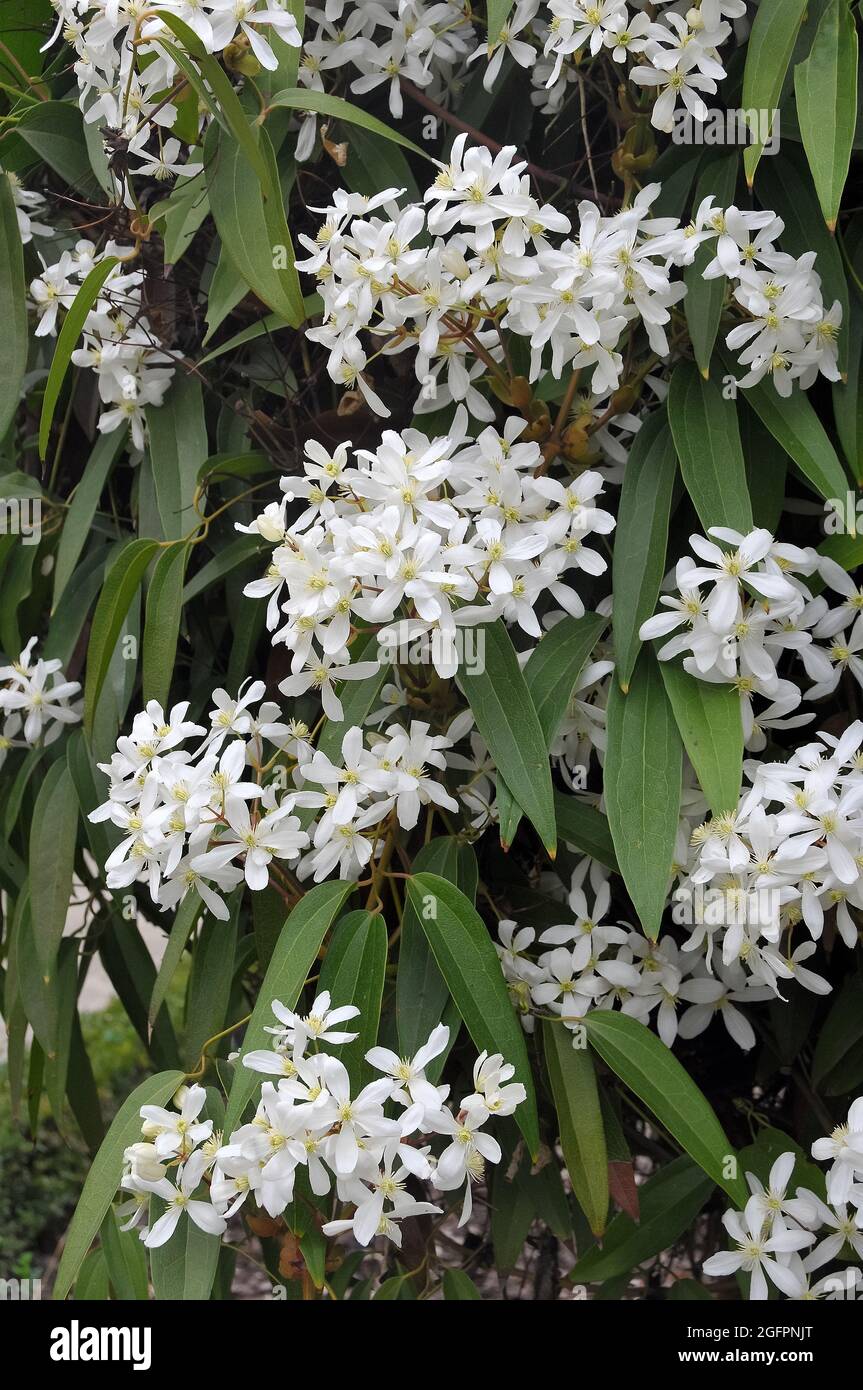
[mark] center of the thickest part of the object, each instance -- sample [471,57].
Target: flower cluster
[132,368]
[787,855]
[211,817]
[594,963]
[127,79]
[774,1236]
[486,256]
[675,53]
[311,1121]
[36,701]
[430,45]
[744,608]
[426,535]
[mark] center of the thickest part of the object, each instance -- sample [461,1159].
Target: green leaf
[78,524]
[707,440]
[582,1133]
[825,89]
[303,99]
[421,991]
[121,584]
[353,972]
[126,1259]
[469,963]
[73,325]
[13,307]
[768,54]
[653,1073]
[643,766]
[704,298]
[162,622]
[498,10]
[183,1269]
[587,829]
[53,833]
[708,717]
[91,1286]
[459,1287]
[54,130]
[669,1203]
[187,915]
[181,215]
[296,949]
[253,229]
[507,719]
[550,674]
[641,537]
[210,981]
[178,448]
[794,424]
[105,1173]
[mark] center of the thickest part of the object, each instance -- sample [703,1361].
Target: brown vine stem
[542,175]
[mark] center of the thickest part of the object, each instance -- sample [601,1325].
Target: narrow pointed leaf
[825,89]
[708,717]
[707,440]
[582,1134]
[643,768]
[550,674]
[507,719]
[121,584]
[469,963]
[641,537]
[652,1072]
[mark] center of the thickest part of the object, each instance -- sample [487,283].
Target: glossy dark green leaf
[582,1133]
[651,1071]
[178,448]
[53,834]
[421,991]
[551,673]
[643,766]
[121,584]
[469,963]
[707,440]
[162,622]
[708,718]
[641,537]
[304,99]
[13,308]
[768,54]
[78,523]
[67,341]
[353,972]
[582,826]
[825,88]
[507,719]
